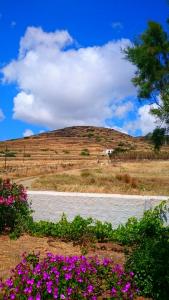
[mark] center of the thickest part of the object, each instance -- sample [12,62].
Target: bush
[85,152]
[150,262]
[149,226]
[15,213]
[90,135]
[70,231]
[59,277]
[149,258]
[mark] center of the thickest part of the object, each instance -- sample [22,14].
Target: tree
[150,54]
[158,138]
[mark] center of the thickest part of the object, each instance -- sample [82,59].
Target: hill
[67,148]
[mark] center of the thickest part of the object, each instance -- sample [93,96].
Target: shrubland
[146,242]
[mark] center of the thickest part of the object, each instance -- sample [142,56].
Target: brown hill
[72,147]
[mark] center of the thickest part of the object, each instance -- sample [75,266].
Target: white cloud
[28,132]
[61,86]
[2,117]
[145,121]
[122,109]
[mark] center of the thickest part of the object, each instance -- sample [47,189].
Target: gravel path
[105,207]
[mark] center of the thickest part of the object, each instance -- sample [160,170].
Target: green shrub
[98,139]
[85,152]
[149,258]
[102,231]
[90,135]
[85,173]
[8,153]
[15,213]
[150,225]
[150,262]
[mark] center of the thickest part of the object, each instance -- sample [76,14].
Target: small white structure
[108,151]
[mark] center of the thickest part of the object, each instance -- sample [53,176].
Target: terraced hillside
[68,148]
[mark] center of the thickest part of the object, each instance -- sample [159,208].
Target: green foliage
[158,138]
[147,237]
[8,153]
[149,258]
[102,231]
[150,54]
[98,139]
[150,225]
[90,135]
[150,262]
[67,230]
[85,152]
[15,212]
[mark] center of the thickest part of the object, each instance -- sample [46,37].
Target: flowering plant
[76,277]
[14,207]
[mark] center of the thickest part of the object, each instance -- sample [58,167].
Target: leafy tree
[150,54]
[158,138]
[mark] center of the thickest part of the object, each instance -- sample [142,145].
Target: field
[120,177]
[73,159]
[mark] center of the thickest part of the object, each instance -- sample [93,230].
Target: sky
[61,64]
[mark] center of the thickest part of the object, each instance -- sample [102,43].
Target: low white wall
[105,207]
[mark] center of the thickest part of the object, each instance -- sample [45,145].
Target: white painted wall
[105,207]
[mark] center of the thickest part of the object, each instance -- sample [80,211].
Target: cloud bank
[61,85]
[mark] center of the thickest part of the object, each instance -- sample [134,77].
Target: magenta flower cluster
[59,277]
[11,193]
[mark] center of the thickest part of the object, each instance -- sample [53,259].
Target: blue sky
[70,70]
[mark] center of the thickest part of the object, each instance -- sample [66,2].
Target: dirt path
[27,182]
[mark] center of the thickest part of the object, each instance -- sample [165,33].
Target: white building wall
[105,207]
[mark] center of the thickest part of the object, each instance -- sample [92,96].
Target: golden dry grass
[62,149]
[58,155]
[144,178]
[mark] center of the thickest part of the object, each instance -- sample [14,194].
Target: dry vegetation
[61,153]
[126,178]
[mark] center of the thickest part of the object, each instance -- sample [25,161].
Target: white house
[108,151]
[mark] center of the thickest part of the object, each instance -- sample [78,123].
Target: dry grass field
[144,178]
[72,159]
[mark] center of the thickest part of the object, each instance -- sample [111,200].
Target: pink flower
[68,276]
[9,282]
[38,297]
[90,289]
[114,291]
[126,287]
